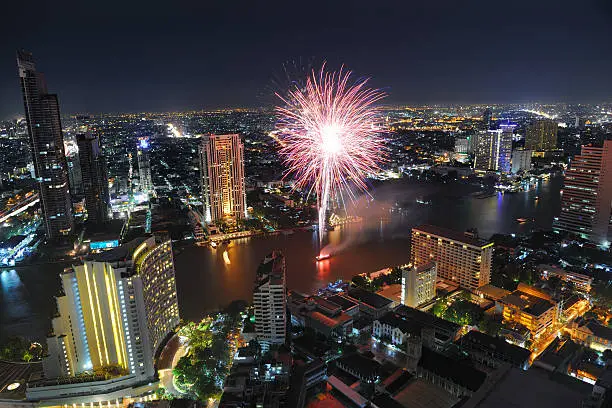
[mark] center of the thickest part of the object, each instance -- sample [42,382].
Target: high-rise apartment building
[418,284]
[47,148]
[116,309]
[493,150]
[144,165]
[521,160]
[223,185]
[270,299]
[541,135]
[461,258]
[587,194]
[94,176]
[487,119]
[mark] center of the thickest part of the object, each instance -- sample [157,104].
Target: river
[205,280]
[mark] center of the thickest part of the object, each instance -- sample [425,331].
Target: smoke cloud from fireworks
[330,135]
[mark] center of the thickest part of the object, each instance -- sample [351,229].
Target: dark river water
[205,280]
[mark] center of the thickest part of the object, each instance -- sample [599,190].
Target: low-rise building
[591,334]
[581,282]
[456,377]
[439,333]
[530,308]
[494,351]
[370,304]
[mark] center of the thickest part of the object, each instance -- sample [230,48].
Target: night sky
[109,56]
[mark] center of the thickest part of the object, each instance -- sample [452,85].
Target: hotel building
[460,258]
[223,185]
[493,150]
[270,301]
[115,311]
[418,284]
[587,194]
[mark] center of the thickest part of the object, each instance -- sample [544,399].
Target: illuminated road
[575,311]
[19,207]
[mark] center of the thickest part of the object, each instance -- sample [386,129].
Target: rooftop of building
[121,253]
[343,302]
[528,303]
[365,367]
[14,377]
[330,322]
[426,319]
[450,234]
[534,388]
[492,292]
[271,269]
[423,394]
[517,354]
[405,324]
[456,371]
[369,298]
[599,330]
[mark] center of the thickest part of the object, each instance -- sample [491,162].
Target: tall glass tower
[47,147]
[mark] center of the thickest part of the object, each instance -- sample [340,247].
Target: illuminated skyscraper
[270,301]
[222,168]
[493,151]
[460,258]
[95,180]
[47,148]
[541,135]
[144,165]
[587,194]
[116,309]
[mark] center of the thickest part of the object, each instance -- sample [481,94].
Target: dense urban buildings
[115,310]
[95,180]
[587,194]
[461,258]
[418,284]
[270,301]
[494,149]
[47,148]
[144,166]
[223,184]
[541,135]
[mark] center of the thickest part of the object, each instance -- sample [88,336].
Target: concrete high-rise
[116,309]
[94,176]
[521,160]
[144,166]
[493,151]
[223,185]
[587,194]
[418,284]
[270,299]
[460,258]
[541,135]
[47,148]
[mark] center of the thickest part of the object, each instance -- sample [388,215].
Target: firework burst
[329,131]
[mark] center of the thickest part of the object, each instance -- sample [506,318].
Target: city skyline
[324,248]
[434,53]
